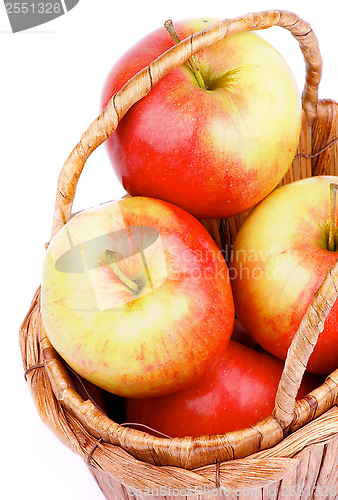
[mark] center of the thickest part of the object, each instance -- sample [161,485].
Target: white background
[51,80]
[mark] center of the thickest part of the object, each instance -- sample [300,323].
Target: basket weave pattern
[298,444]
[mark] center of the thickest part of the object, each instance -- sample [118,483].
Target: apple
[279,259]
[236,393]
[199,148]
[136,297]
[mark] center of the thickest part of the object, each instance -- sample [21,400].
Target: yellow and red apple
[214,151]
[279,260]
[136,297]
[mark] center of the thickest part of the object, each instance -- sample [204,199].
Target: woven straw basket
[291,454]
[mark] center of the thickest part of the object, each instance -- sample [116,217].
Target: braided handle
[141,84]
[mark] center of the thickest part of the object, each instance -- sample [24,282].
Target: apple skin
[200,148]
[157,341]
[236,393]
[278,261]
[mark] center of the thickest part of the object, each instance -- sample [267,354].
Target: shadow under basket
[291,454]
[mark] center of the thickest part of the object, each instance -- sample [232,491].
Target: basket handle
[302,346]
[141,84]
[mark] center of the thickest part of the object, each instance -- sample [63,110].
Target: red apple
[199,148]
[279,259]
[136,297]
[237,392]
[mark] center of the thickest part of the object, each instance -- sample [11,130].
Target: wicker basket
[292,453]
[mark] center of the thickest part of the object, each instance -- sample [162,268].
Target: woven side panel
[302,483]
[110,487]
[301,165]
[241,488]
[314,473]
[328,473]
[325,132]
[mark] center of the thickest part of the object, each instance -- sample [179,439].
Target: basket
[294,452]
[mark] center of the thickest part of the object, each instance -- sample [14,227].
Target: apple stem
[133,286]
[193,60]
[333,221]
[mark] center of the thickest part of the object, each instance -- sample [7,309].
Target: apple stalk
[193,60]
[333,219]
[133,286]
